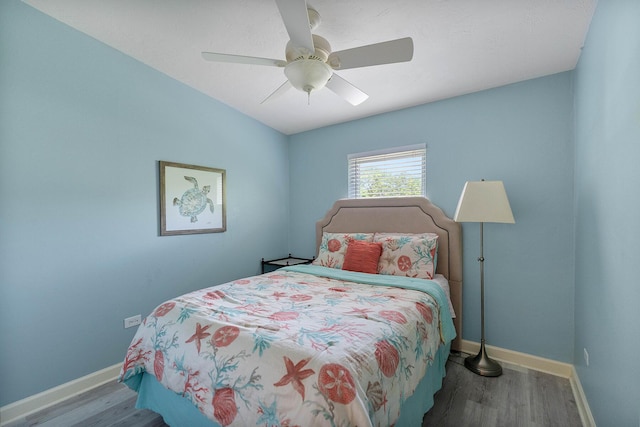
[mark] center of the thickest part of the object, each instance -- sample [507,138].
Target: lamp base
[482,364]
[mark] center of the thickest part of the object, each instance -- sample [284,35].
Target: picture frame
[192,199]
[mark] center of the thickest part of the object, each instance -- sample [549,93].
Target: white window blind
[401,171]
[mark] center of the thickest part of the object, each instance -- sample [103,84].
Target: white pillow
[410,255]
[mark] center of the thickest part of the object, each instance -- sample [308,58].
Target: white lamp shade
[484,201]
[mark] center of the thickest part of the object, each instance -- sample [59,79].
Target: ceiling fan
[309,61]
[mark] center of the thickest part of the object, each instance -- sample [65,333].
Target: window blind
[390,173]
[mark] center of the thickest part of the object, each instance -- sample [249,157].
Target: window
[401,171]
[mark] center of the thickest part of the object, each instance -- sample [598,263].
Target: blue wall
[521,134]
[82,127]
[607,111]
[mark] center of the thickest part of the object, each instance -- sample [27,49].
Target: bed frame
[401,215]
[404,215]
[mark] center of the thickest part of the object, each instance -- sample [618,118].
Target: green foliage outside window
[380,183]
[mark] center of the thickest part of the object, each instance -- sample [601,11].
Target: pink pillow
[362,256]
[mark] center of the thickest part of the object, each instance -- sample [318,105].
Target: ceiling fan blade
[400,50]
[296,20]
[239,59]
[278,92]
[346,90]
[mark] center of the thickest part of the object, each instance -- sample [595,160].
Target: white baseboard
[553,367]
[57,394]
[37,402]
[536,363]
[581,400]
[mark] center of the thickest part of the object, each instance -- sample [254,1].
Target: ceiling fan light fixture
[308,74]
[309,61]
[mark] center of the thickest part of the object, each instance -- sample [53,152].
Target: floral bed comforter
[295,347]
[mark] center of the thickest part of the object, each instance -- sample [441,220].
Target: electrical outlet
[586,356]
[132,321]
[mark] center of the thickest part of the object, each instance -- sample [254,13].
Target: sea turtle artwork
[194,201]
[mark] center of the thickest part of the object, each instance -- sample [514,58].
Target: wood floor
[520,397]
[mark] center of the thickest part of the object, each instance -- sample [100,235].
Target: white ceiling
[461,46]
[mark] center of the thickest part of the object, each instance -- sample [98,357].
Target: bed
[332,343]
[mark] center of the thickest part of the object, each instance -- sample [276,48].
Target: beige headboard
[404,215]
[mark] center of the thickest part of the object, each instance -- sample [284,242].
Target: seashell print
[387,357]
[224,406]
[375,395]
[394,316]
[425,311]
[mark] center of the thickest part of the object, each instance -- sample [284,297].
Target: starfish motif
[295,375]
[199,335]
[278,295]
[268,414]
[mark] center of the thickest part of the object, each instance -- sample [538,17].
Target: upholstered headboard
[404,215]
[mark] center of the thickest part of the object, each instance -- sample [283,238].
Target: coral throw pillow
[334,246]
[362,256]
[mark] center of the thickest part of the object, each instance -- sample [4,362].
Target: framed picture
[192,199]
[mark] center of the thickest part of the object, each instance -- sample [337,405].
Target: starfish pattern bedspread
[301,346]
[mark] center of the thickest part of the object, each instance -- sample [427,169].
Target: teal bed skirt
[177,411]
